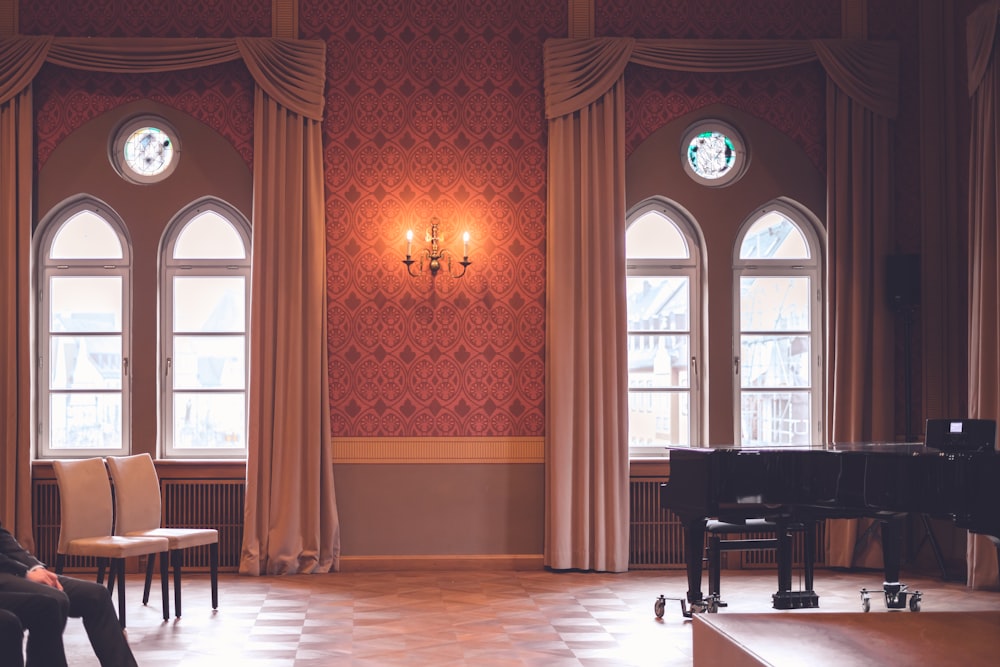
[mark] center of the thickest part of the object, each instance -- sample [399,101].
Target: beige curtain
[586,428]
[286,532]
[984,249]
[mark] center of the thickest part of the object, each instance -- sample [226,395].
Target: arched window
[205,320]
[779,313]
[83,331]
[663,260]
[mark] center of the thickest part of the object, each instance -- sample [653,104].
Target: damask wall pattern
[792,99]
[221,96]
[435,109]
[718,19]
[145,18]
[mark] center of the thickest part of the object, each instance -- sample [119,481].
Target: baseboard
[442,562]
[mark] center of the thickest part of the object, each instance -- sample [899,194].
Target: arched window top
[657,230]
[208,235]
[655,236]
[779,233]
[86,235]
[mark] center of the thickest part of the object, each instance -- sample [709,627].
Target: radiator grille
[186,504]
[656,536]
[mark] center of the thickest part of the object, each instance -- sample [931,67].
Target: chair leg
[150,564]
[118,571]
[60,563]
[176,557]
[214,556]
[714,565]
[164,587]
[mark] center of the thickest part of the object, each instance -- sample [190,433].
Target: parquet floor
[464,618]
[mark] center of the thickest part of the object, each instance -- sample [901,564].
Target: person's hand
[42,576]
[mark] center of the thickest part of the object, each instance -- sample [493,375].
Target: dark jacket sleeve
[14,559]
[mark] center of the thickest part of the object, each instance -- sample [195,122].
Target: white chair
[86,515]
[137,510]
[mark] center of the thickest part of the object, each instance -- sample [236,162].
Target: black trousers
[11,639]
[43,611]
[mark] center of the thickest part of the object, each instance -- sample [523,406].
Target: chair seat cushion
[116,547]
[181,538]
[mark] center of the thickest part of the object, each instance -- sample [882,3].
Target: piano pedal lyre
[895,597]
[709,604]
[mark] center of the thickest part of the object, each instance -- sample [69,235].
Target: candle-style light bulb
[409,242]
[465,240]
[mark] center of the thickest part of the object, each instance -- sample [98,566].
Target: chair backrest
[137,493]
[85,506]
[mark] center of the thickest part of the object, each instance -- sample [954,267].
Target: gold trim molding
[439,450]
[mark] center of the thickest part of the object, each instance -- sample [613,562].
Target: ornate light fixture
[434,255]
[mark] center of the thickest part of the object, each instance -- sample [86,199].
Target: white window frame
[49,268]
[691,268]
[169,268]
[813,268]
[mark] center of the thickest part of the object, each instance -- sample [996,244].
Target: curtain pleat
[15,329]
[984,251]
[586,459]
[291,523]
[290,508]
[579,77]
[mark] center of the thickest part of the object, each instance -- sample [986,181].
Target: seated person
[42,601]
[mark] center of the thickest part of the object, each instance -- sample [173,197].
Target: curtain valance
[579,71]
[290,71]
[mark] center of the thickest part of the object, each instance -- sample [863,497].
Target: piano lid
[881,447]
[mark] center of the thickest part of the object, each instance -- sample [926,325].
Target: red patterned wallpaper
[791,99]
[220,96]
[145,18]
[718,19]
[435,109]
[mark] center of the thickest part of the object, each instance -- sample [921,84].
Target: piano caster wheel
[915,603]
[659,606]
[866,601]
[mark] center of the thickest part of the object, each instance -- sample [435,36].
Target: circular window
[144,149]
[714,153]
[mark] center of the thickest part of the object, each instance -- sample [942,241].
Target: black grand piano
[958,478]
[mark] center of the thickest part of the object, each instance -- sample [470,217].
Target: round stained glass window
[714,153]
[144,149]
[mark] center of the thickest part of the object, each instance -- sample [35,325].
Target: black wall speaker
[902,281]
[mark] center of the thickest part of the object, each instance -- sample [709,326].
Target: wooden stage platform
[820,639]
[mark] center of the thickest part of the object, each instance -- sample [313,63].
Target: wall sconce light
[434,255]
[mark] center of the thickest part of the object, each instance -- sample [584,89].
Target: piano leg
[694,549]
[786,598]
[896,593]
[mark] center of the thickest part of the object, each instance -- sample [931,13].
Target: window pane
[777,303]
[654,236]
[774,236]
[85,362]
[209,362]
[658,418]
[209,420]
[91,303]
[658,303]
[85,421]
[86,236]
[209,303]
[775,418]
[209,236]
[774,361]
[658,361]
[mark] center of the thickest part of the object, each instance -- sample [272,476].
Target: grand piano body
[882,481]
